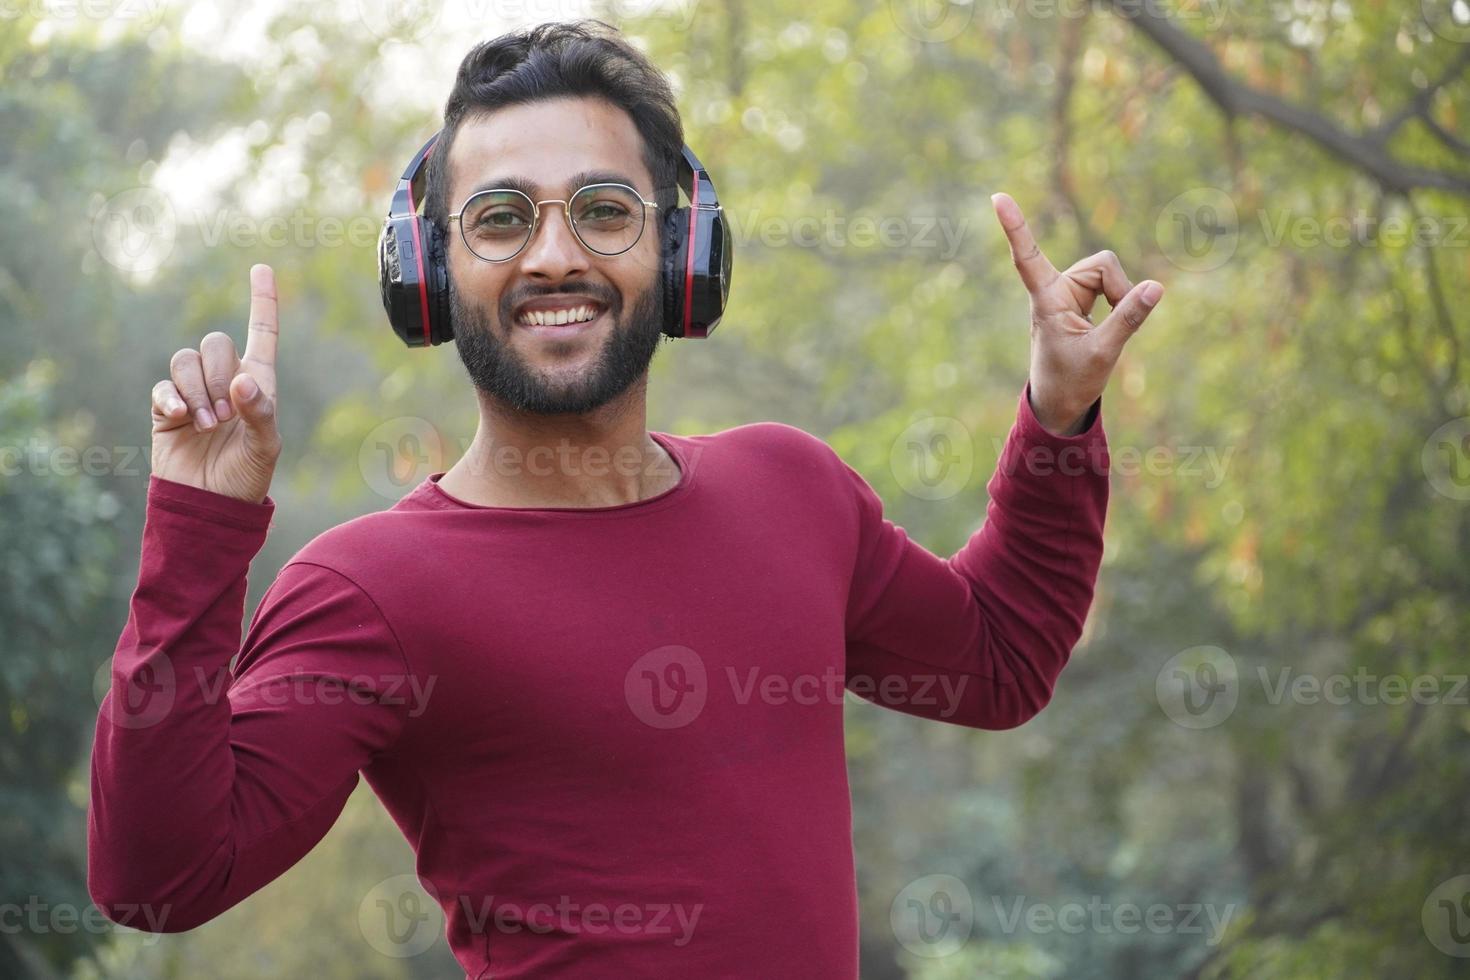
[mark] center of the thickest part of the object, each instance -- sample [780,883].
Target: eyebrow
[532,189]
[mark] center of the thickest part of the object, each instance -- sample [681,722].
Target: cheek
[476,281]
[640,270]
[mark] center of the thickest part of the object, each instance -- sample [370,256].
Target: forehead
[546,143]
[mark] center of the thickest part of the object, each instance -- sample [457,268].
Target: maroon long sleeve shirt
[613,736]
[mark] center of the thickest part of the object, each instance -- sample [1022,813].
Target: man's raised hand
[1071,358]
[214,417]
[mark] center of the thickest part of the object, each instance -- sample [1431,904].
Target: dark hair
[581,58]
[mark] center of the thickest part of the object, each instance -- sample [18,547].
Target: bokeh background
[1257,763]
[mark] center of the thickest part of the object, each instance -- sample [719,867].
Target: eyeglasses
[608,219]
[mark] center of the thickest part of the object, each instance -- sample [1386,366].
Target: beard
[498,370]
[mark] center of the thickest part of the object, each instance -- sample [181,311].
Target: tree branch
[1063,185]
[1363,152]
[1419,104]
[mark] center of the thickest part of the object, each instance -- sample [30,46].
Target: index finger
[1036,271]
[260,342]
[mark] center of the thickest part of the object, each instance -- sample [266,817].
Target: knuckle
[183,357]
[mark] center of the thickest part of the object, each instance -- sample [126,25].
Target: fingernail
[248,387]
[222,409]
[1151,294]
[205,419]
[174,405]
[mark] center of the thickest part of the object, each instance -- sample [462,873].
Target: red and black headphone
[695,257]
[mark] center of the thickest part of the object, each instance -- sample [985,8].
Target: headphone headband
[694,275]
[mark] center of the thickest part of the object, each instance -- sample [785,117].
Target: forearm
[987,631]
[162,769]
[1033,565]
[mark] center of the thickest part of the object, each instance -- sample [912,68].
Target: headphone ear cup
[436,271]
[675,261]
[399,279]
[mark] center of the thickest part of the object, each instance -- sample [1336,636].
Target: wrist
[1059,421]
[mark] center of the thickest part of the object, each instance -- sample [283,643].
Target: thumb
[256,411]
[1129,314]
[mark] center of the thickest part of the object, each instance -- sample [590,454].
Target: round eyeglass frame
[457,218]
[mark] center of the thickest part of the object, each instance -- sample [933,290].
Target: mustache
[605,295]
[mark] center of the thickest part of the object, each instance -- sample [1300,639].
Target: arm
[992,626]
[979,639]
[204,786]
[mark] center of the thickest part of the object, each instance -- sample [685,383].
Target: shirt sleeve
[978,639]
[206,784]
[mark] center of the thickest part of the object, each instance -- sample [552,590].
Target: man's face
[547,149]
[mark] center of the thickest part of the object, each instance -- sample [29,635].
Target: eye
[501,218]
[497,214]
[604,211]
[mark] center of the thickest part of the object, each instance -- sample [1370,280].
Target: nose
[553,253]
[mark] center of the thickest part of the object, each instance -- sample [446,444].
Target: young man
[603,702]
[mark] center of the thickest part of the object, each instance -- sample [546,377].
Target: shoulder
[363,549]
[774,443]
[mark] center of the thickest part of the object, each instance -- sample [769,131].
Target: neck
[601,458]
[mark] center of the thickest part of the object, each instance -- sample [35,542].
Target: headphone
[694,262]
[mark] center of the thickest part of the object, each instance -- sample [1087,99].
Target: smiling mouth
[562,321]
[565,316]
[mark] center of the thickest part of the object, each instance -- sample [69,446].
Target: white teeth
[542,318]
